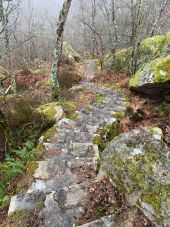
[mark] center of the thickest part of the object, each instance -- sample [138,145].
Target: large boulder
[153,78]
[150,49]
[138,164]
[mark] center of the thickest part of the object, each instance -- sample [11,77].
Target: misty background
[89,26]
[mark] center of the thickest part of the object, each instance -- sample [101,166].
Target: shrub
[24,122]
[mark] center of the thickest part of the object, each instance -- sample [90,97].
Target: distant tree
[7,10]
[58,46]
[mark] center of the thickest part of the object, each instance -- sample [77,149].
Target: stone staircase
[61,179]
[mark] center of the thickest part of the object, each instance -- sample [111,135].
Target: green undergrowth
[20,128]
[14,164]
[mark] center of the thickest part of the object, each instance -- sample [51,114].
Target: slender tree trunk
[4,20]
[136,36]
[158,16]
[58,47]
[115,36]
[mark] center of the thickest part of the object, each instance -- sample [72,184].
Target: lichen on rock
[138,162]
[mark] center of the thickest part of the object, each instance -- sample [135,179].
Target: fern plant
[14,165]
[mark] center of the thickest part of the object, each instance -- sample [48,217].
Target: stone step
[26,201]
[61,180]
[106,221]
[85,150]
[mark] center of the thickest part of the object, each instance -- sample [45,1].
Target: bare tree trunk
[114,25]
[4,20]
[93,16]
[136,27]
[58,46]
[158,17]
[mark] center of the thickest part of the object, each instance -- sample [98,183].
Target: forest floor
[139,111]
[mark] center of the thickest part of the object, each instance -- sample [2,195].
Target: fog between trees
[92,25]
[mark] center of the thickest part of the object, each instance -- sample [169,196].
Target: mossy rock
[69,107]
[150,49]
[138,164]
[51,110]
[153,78]
[68,51]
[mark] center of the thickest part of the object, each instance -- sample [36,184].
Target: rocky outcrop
[138,165]
[153,78]
[150,49]
[153,75]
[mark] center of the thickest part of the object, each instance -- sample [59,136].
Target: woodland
[85,83]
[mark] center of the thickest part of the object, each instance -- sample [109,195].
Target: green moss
[31,167]
[49,110]
[100,98]
[49,133]
[69,107]
[161,69]
[152,46]
[140,174]
[119,115]
[123,54]
[118,182]
[156,194]
[98,141]
[134,80]
[40,72]
[74,116]
[104,135]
